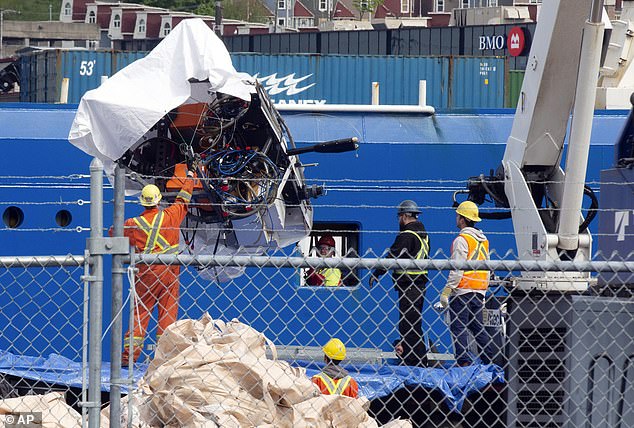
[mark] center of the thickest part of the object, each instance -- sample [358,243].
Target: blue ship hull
[401,156]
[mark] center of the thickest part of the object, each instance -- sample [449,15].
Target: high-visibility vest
[332,276]
[475,279]
[422,254]
[155,242]
[334,386]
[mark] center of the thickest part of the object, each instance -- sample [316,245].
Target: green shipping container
[513,88]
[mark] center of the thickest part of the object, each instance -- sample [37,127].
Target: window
[281,22]
[465,4]
[346,238]
[281,4]
[440,5]
[141,26]
[116,21]
[304,22]
[404,6]
[166,28]
[323,5]
[92,17]
[68,9]
[493,3]
[363,4]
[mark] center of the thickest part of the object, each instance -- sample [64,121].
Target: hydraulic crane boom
[544,201]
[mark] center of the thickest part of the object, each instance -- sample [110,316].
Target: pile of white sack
[209,373]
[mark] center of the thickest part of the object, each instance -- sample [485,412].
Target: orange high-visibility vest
[475,279]
[329,386]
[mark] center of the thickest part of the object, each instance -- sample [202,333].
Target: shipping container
[477,82]
[514,82]
[43,72]
[299,79]
[342,79]
[475,40]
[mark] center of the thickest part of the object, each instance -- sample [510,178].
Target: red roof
[128,21]
[153,25]
[341,11]
[103,16]
[301,11]
[391,8]
[79,9]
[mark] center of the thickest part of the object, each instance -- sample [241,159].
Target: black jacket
[406,246]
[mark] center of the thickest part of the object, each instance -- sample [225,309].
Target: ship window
[63,218]
[346,237]
[13,217]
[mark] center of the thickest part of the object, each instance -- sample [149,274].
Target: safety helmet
[408,206]
[326,240]
[335,349]
[468,210]
[150,196]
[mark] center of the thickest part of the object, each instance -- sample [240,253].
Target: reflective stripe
[334,386]
[137,341]
[332,276]
[154,238]
[422,253]
[185,196]
[475,279]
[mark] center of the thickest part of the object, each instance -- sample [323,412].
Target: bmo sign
[514,42]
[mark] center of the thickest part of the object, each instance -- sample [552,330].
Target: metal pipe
[580,130]
[96,296]
[356,108]
[422,93]
[596,13]
[84,336]
[375,94]
[42,261]
[63,93]
[372,263]
[117,301]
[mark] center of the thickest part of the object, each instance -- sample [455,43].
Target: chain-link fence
[557,358]
[43,339]
[233,339]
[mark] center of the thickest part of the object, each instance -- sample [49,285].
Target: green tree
[245,10]
[369,6]
[32,10]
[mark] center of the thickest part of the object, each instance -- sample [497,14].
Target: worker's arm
[401,248]
[459,251]
[178,209]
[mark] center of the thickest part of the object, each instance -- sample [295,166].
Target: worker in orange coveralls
[156,231]
[333,379]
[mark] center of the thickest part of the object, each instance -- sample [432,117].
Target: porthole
[13,217]
[63,218]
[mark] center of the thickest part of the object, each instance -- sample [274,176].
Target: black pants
[411,295]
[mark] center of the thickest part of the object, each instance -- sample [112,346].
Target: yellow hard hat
[468,210]
[335,349]
[150,196]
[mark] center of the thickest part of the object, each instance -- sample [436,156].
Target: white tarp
[113,117]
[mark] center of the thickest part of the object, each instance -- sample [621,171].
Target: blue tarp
[58,370]
[375,381]
[455,383]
